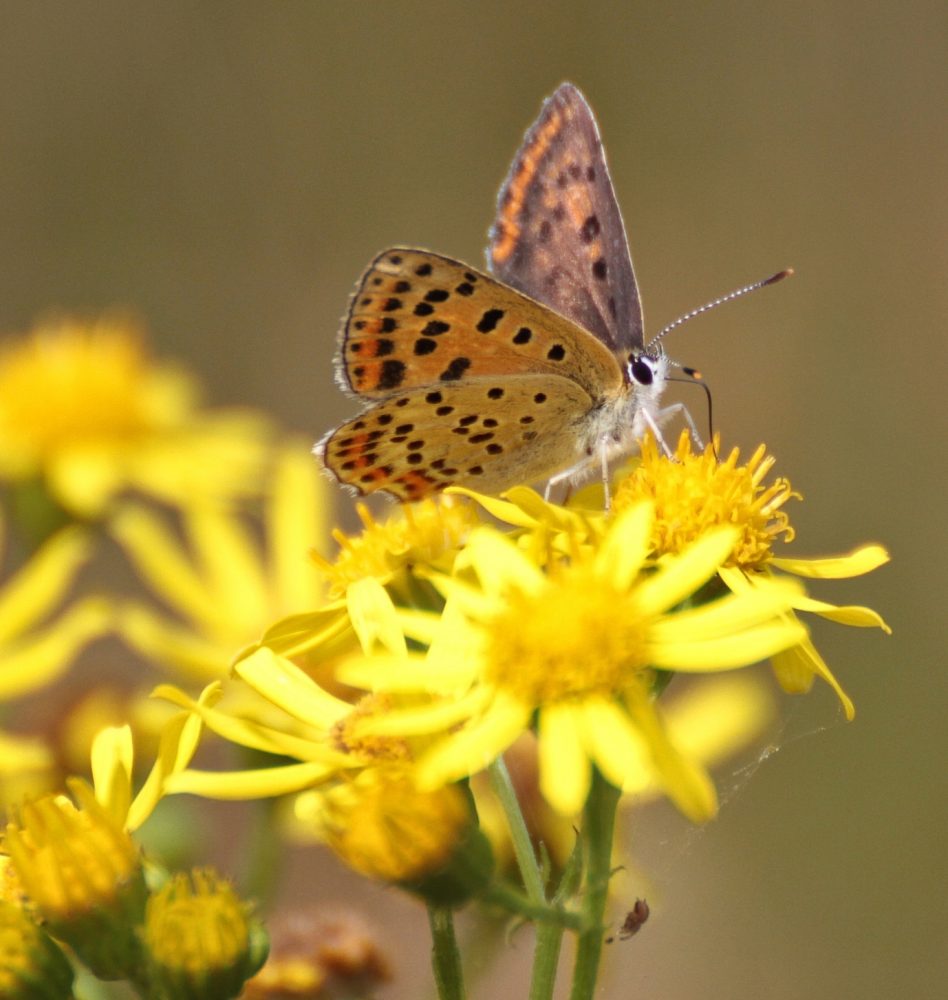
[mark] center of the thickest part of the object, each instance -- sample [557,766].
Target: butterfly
[536,371]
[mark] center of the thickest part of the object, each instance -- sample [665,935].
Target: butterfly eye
[641,370]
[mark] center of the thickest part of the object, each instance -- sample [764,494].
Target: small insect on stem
[633,921]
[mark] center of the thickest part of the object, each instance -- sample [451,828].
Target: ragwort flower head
[83,873]
[86,411]
[357,789]
[427,533]
[576,647]
[694,492]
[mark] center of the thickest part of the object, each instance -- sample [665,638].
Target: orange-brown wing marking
[419,319]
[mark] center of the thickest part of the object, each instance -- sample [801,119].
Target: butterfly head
[647,371]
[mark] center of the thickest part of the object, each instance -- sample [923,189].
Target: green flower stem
[263,854]
[508,898]
[445,954]
[502,787]
[599,815]
[546,959]
[549,935]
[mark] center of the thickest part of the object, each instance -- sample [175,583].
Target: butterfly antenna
[772,280]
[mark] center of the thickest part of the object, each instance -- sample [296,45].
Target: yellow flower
[381,825]
[576,647]
[200,938]
[358,793]
[84,409]
[695,492]
[224,585]
[83,873]
[37,649]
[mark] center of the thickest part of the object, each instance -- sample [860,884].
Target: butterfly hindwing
[484,433]
[558,235]
[419,319]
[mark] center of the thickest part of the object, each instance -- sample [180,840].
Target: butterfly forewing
[419,319]
[485,433]
[558,235]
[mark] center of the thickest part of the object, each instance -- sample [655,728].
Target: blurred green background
[227,169]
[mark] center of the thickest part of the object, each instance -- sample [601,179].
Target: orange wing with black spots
[558,234]
[485,432]
[418,319]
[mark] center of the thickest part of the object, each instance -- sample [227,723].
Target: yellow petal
[541,512]
[373,616]
[158,556]
[715,718]
[261,783]
[475,746]
[500,564]
[728,615]
[510,513]
[739,650]
[796,667]
[18,756]
[297,522]
[680,576]
[475,603]
[850,614]
[862,560]
[434,717]
[405,674]
[84,478]
[626,545]
[170,643]
[615,745]
[39,659]
[29,594]
[231,566]
[297,634]
[684,780]
[283,684]
[244,732]
[176,747]
[112,758]
[565,771]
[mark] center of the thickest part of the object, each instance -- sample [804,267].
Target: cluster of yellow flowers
[390,676]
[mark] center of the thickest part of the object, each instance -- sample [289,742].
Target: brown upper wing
[558,235]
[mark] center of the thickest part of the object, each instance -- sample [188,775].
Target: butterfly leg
[578,469]
[604,465]
[584,466]
[662,416]
[689,420]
